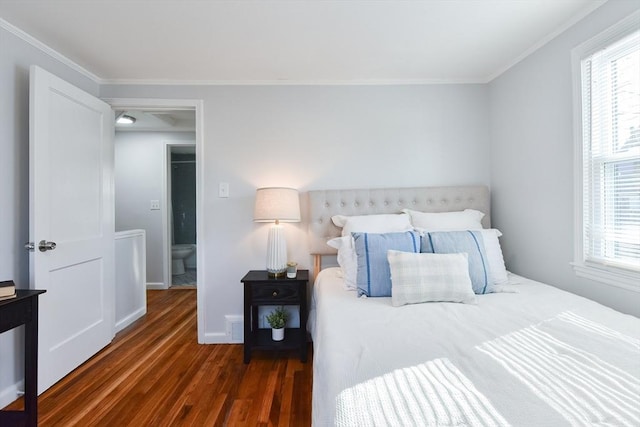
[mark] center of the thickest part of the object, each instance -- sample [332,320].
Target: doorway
[181,206]
[172,113]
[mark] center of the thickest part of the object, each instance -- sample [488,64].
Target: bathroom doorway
[181,206]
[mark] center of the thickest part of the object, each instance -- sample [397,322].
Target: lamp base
[276,252]
[276,274]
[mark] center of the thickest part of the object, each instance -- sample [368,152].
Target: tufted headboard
[323,204]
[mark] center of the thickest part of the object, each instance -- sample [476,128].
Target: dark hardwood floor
[155,374]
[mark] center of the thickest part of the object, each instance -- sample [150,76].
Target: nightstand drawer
[280,293]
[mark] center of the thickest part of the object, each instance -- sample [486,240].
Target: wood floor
[155,374]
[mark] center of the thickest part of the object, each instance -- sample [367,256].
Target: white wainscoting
[131,277]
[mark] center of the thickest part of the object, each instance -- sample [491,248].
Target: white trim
[175,129]
[609,275]
[157,104]
[546,39]
[216,338]
[127,234]
[578,244]
[29,39]
[200,232]
[355,82]
[198,106]
[166,223]
[11,393]
[604,274]
[608,36]
[157,286]
[131,318]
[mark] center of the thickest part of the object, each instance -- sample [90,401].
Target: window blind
[611,154]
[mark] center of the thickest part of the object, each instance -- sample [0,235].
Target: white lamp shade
[277,204]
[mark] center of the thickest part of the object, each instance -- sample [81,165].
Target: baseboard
[10,394]
[130,318]
[156,285]
[217,338]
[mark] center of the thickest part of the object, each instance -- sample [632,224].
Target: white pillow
[494,256]
[347,260]
[383,223]
[426,277]
[468,219]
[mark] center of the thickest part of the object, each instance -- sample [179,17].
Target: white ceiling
[158,120]
[294,41]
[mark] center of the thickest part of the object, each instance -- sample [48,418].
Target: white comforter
[538,356]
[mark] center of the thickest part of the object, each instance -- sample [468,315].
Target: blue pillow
[451,242]
[374,274]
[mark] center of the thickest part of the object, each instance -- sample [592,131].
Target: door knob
[44,246]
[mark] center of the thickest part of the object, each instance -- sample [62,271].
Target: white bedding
[535,357]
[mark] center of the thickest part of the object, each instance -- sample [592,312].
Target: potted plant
[277,319]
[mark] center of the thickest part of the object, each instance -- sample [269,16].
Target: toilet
[178,255]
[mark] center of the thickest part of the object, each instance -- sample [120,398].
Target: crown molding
[354,82]
[546,39]
[48,50]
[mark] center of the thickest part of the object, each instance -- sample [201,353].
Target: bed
[528,354]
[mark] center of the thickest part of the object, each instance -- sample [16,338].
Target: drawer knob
[275,293]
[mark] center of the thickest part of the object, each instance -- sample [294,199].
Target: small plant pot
[277,334]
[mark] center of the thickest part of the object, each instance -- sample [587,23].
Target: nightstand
[260,289]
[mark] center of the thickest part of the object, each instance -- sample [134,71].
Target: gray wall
[314,137]
[16,57]
[532,162]
[139,178]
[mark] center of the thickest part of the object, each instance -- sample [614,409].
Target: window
[608,157]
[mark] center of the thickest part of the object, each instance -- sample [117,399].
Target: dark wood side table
[260,289]
[23,310]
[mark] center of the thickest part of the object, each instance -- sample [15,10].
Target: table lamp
[276,204]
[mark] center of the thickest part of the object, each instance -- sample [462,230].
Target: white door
[71,205]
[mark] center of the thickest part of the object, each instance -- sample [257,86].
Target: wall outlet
[154,205]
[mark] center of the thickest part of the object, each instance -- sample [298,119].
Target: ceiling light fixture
[125,119]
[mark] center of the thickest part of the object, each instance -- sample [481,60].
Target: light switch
[154,205]
[223,190]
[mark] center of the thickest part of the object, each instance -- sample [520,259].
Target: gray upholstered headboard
[323,204]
